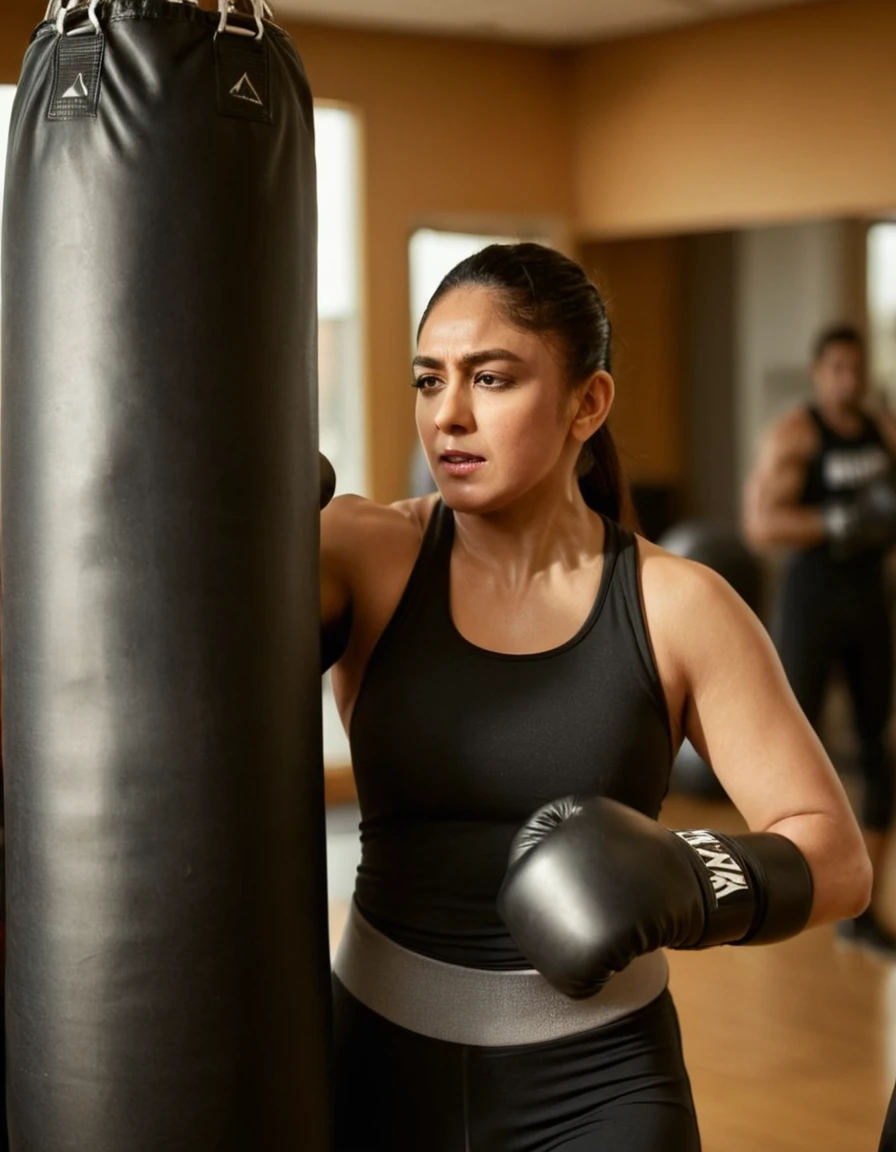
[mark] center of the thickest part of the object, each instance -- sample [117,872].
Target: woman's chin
[471,499]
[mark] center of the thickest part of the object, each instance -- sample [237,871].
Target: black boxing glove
[327,481]
[866,523]
[593,884]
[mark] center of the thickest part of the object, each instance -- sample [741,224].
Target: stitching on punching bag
[78,68]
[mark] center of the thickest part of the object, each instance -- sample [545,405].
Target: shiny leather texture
[593,884]
[167,970]
[605,885]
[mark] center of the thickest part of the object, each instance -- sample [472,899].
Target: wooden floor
[791,1048]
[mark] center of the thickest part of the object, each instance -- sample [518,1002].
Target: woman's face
[495,412]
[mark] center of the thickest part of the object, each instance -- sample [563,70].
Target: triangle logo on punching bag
[76,91]
[243,81]
[245,90]
[76,84]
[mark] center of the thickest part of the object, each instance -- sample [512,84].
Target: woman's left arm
[724,680]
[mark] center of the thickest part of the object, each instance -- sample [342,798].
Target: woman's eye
[489,380]
[425,383]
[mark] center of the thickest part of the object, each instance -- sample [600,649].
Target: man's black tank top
[454,747]
[838,471]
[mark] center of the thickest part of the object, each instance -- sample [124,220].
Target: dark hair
[545,292]
[836,334]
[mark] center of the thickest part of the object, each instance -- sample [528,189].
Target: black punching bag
[167,966]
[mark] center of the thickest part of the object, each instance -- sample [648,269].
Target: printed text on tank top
[841,466]
[851,468]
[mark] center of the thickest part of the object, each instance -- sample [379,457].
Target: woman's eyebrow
[471,359]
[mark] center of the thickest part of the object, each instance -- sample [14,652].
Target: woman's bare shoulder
[355,531]
[674,583]
[694,614]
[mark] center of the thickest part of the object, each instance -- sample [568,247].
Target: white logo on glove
[725,874]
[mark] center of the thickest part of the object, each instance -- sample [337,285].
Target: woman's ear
[594,401]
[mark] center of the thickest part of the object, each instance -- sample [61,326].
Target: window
[881,304]
[341,378]
[340,363]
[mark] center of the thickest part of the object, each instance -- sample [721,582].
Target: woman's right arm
[338,524]
[367,552]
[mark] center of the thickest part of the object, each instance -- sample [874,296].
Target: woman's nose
[454,412]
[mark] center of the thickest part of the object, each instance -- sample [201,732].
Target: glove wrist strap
[757,887]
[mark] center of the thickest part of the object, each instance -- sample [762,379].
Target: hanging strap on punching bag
[167,963]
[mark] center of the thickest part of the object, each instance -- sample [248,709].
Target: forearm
[792,526]
[835,853]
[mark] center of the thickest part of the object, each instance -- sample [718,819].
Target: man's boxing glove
[864,524]
[592,884]
[327,481]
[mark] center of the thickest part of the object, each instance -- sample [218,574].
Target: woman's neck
[530,537]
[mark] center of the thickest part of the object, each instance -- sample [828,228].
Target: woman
[498,646]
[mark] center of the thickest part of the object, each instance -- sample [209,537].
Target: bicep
[738,710]
[778,479]
[742,716]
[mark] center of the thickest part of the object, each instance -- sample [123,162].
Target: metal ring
[70,6]
[227,8]
[61,14]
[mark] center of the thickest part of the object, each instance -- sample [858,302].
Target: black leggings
[620,1088]
[828,615]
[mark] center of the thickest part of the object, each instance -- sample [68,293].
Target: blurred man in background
[823,488]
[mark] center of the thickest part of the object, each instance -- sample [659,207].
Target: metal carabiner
[227,8]
[67,7]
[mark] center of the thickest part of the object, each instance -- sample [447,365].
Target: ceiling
[544,21]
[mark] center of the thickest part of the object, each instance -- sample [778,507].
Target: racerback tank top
[454,747]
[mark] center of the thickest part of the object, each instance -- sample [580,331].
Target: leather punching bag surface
[167,968]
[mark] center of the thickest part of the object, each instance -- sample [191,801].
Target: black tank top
[840,468]
[454,747]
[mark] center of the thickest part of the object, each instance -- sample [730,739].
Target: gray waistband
[476,1007]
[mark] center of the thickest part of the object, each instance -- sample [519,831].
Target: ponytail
[602,481]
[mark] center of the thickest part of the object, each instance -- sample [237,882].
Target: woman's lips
[460,463]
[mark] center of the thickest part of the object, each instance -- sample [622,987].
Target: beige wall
[781,116]
[641,283]
[773,117]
